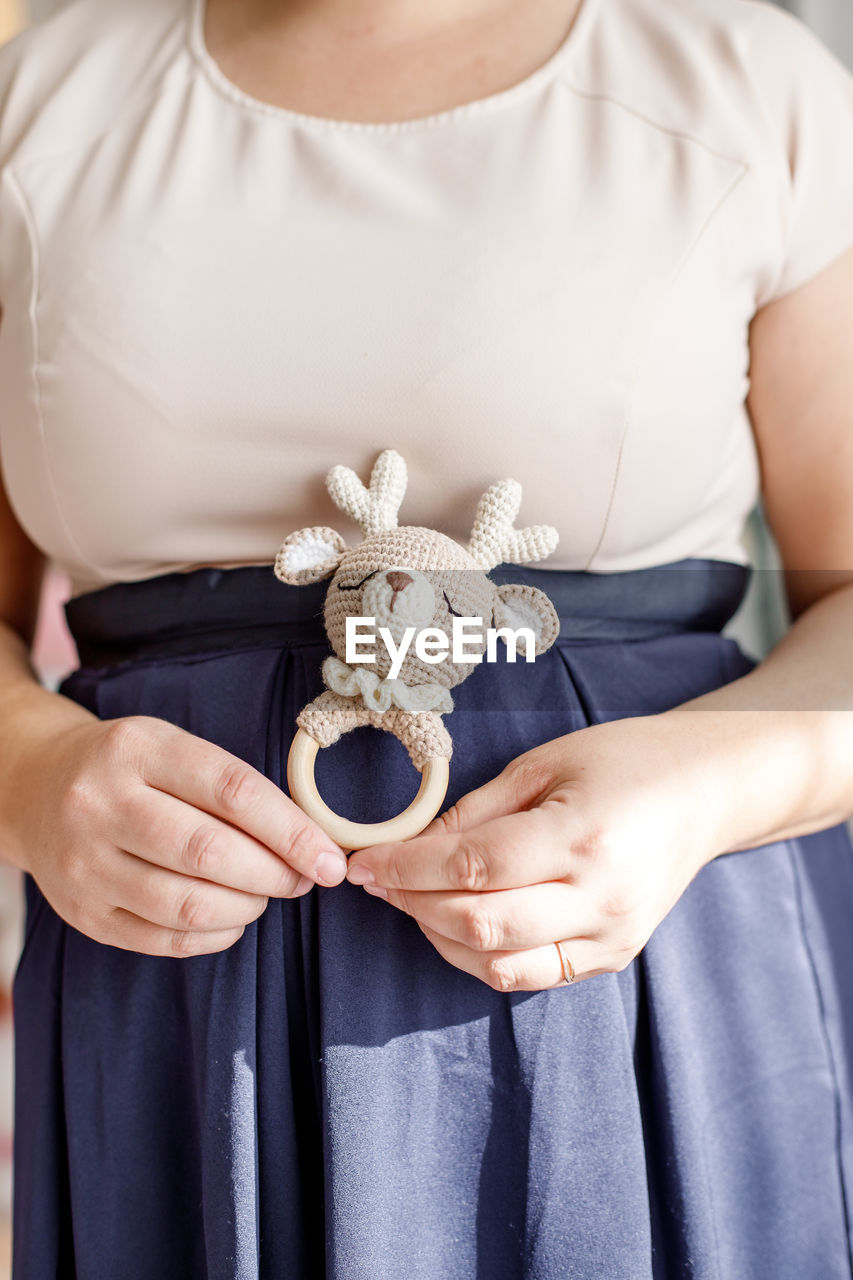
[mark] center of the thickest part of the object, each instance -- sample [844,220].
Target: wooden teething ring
[358,835]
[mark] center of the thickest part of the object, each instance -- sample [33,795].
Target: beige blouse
[208,301]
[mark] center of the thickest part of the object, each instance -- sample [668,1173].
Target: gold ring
[565,963]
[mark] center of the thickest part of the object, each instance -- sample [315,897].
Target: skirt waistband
[214,609]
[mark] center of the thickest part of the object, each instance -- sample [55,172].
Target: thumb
[522,784]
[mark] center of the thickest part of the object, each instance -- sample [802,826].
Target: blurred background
[758,624]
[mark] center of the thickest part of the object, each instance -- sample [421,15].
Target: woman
[604,248]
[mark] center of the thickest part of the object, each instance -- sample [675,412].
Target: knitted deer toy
[400,598]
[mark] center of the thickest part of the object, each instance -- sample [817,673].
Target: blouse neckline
[478,107]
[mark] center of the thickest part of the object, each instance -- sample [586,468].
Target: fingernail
[376,890]
[330,868]
[360,875]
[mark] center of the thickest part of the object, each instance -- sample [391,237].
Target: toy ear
[518,605]
[309,555]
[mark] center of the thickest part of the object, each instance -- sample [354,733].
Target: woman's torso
[209,300]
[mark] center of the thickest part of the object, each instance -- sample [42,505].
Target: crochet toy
[406,601]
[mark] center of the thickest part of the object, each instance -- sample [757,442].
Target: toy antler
[375,507]
[494,541]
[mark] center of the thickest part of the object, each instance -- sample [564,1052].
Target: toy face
[410,579]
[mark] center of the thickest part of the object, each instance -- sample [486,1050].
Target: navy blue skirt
[330,1098]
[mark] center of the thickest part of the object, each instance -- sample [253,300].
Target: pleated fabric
[330,1098]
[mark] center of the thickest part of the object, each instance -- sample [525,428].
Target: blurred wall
[832,20]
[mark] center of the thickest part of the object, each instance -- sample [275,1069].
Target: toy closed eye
[354,586]
[461,615]
[450,606]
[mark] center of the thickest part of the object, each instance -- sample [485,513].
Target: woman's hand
[149,838]
[588,840]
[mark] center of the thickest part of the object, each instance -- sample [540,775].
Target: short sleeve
[807,95]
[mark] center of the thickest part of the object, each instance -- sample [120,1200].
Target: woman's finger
[505,919]
[130,932]
[523,783]
[216,782]
[534,970]
[505,853]
[167,832]
[174,901]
